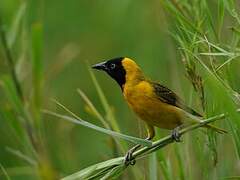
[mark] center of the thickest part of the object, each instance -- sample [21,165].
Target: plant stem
[10,61]
[168,139]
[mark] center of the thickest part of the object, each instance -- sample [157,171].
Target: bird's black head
[114,68]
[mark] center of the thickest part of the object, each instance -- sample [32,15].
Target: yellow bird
[152,102]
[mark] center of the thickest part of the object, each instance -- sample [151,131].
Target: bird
[155,104]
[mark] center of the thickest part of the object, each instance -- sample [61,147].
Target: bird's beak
[100,66]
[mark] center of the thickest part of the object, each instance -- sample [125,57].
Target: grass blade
[100,129]
[153,166]
[5,172]
[37,63]
[11,93]
[114,173]
[97,114]
[182,175]
[110,116]
[93,109]
[90,171]
[221,11]
[20,155]
[14,29]
[217,54]
[165,166]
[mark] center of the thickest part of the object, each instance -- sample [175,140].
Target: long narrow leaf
[153,166]
[90,171]
[217,54]
[93,108]
[9,89]
[20,155]
[14,29]
[114,173]
[95,111]
[4,172]
[37,62]
[108,109]
[100,129]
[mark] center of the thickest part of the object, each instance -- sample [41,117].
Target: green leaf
[93,108]
[109,114]
[14,29]
[217,54]
[153,175]
[180,162]
[114,173]
[95,111]
[4,172]
[37,63]
[11,94]
[221,10]
[226,62]
[225,104]
[22,156]
[165,166]
[94,169]
[100,129]
[16,127]
[209,17]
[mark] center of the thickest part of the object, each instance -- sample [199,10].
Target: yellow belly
[148,107]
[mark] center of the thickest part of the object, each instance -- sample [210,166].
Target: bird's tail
[217,129]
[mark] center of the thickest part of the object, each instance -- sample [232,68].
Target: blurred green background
[69,36]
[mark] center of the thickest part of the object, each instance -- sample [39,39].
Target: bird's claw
[129,160]
[175,135]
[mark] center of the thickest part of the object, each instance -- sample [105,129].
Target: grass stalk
[9,60]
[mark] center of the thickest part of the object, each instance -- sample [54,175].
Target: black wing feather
[169,97]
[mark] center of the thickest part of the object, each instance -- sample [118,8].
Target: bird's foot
[129,159]
[176,135]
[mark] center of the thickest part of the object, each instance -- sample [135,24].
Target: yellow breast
[145,103]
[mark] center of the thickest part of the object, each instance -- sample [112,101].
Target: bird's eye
[112,66]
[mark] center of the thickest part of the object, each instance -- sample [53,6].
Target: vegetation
[58,120]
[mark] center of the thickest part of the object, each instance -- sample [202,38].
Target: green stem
[10,61]
[168,139]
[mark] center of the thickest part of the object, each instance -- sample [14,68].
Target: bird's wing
[169,97]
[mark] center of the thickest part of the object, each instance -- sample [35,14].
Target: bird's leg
[128,157]
[175,134]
